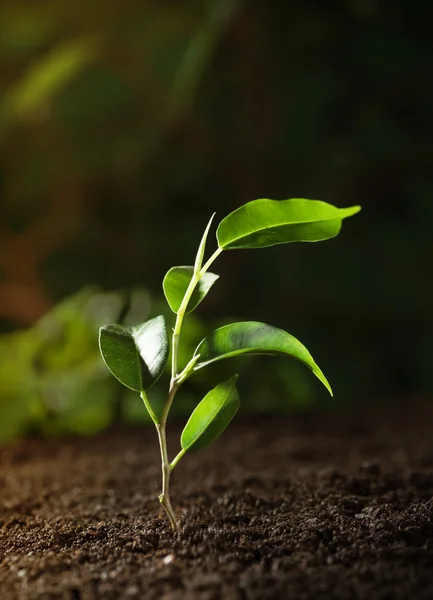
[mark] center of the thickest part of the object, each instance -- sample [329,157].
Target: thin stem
[185,301]
[178,325]
[164,497]
[174,354]
[188,370]
[171,394]
[211,260]
[182,310]
[177,459]
[149,407]
[175,382]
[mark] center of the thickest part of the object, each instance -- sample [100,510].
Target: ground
[319,506]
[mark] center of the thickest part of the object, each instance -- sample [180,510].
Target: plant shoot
[137,356]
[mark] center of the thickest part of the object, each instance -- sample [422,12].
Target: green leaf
[136,356]
[252,337]
[211,416]
[176,283]
[200,252]
[262,223]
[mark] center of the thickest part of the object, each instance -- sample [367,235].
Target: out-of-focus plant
[50,376]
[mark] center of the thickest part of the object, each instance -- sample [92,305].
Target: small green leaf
[211,416]
[263,223]
[200,252]
[136,356]
[176,282]
[252,337]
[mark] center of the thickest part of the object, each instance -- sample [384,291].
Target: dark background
[124,125]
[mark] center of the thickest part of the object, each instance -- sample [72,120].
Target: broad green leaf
[262,223]
[176,283]
[252,337]
[200,252]
[211,416]
[136,356]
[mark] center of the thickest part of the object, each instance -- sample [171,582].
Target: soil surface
[317,506]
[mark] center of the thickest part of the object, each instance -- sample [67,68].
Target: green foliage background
[124,125]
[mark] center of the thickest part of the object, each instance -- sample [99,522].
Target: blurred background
[125,125]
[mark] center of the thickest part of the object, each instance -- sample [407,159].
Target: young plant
[137,356]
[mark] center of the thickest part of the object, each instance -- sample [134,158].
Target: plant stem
[177,459]
[182,310]
[184,305]
[164,497]
[210,261]
[188,370]
[149,408]
[179,320]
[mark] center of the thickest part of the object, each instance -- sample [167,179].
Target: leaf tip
[350,211]
[328,386]
[321,377]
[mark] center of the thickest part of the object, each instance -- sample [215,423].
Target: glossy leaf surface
[264,222]
[211,416]
[176,283]
[252,337]
[136,356]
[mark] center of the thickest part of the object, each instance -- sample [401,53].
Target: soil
[318,506]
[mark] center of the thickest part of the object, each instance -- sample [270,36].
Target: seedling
[137,356]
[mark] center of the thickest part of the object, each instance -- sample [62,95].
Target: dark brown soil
[324,506]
